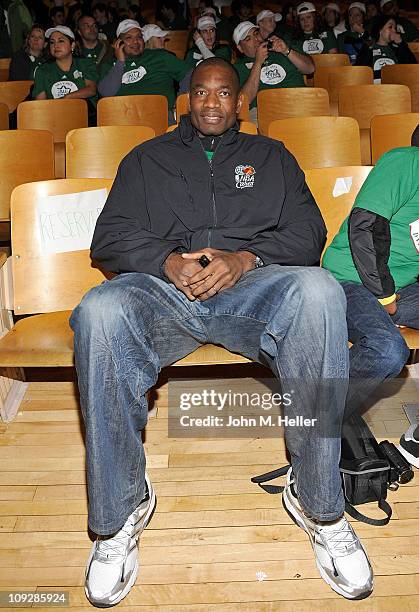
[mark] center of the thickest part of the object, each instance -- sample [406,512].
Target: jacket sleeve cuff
[387,300]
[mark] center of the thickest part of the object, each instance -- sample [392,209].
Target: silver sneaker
[113,564]
[340,556]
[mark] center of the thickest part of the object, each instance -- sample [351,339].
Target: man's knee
[319,289]
[100,307]
[390,349]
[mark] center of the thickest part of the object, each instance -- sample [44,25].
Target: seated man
[242,201]
[136,70]
[262,67]
[91,47]
[375,256]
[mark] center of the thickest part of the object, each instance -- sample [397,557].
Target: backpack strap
[382,504]
[272,489]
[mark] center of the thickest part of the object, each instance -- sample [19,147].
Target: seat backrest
[149,110]
[182,107]
[4,68]
[290,102]
[25,155]
[56,116]
[4,116]
[329,59]
[96,152]
[319,142]
[362,102]
[177,42]
[59,279]
[14,92]
[324,182]
[414,47]
[404,74]
[391,131]
[333,78]
[247,127]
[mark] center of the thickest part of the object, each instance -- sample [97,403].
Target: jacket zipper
[214,209]
[187,187]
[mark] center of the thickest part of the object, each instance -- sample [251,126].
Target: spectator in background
[409,32]
[20,23]
[387,47]
[242,11]
[259,69]
[372,11]
[224,28]
[75,11]
[170,16]
[332,18]
[134,12]
[136,70]
[310,35]
[205,44]
[356,36]
[271,24]
[106,29]
[57,16]
[25,61]
[91,47]
[154,37]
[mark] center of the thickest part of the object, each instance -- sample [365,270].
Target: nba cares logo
[245,176]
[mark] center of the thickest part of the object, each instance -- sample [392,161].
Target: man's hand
[396,38]
[223,271]
[261,54]
[197,36]
[119,50]
[392,307]
[179,271]
[279,45]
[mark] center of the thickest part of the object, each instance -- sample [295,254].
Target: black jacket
[167,196]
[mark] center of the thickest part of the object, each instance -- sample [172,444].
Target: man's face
[251,42]
[214,100]
[355,17]
[88,29]
[390,8]
[59,18]
[208,36]
[267,25]
[133,42]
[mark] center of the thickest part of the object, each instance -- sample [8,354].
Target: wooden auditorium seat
[363,102]
[96,152]
[4,68]
[56,116]
[391,131]
[404,74]
[47,285]
[13,93]
[4,116]
[290,102]
[149,110]
[318,142]
[333,78]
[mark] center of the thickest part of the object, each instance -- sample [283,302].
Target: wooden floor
[216,542]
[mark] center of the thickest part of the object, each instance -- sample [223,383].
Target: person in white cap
[224,27]
[356,35]
[66,76]
[206,44]
[271,24]
[387,47]
[154,37]
[136,70]
[332,18]
[310,35]
[262,68]
[404,26]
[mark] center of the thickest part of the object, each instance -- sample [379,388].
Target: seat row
[51,275]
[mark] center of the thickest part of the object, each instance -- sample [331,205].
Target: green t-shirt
[56,83]
[279,72]
[313,44]
[153,72]
[96,54]
[194,56]
[382,55]
[392,191]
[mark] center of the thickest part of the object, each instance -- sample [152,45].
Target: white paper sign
[342,185]
[66,222]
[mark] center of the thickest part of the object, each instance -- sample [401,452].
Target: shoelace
[339,541]
[115,547]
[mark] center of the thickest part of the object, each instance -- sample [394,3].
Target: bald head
[216,64]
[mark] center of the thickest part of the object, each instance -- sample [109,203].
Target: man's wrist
[249,260]
[387,300]
[286,53]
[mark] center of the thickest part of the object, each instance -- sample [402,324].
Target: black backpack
[365,472]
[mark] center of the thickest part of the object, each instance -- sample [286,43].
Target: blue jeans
[127,329]
[379,351]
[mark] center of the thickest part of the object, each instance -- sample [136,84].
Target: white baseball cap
[305,7]
[263,15]
[205,22]
[242,30]
[151,29]
[332,6]
[359,6]
[278,16]
[62,29]
[127,25]
[383,2]
[209,10]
